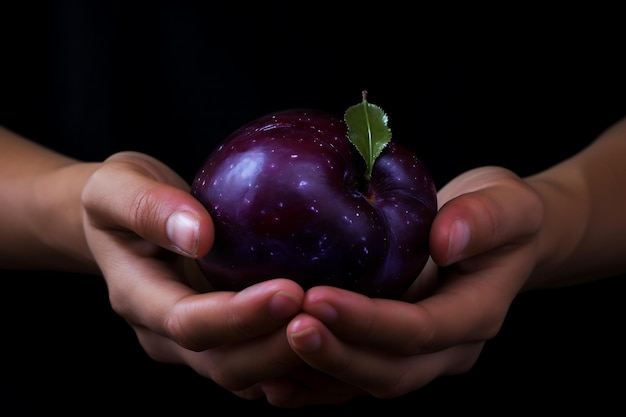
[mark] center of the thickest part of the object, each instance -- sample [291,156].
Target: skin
[495,235]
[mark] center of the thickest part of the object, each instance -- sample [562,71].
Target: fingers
[357,319]
[236,367]
[381,374]
[201,321]
[218,334]
[135,192]
[444,319]
[468,306]
[221,318]
[150,288]
[394,346]
[482,210]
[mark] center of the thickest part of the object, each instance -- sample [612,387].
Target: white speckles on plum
[294,156]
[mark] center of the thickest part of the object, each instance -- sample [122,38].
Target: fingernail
[307,340]
[284,305]
[324,312]
[457,240]
[183,230]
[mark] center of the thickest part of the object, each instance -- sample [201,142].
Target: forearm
[41,214]
[584,232]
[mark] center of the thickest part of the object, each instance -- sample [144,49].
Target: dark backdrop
[464,88]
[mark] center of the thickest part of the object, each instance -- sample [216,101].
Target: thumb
[136,193]
[482,210]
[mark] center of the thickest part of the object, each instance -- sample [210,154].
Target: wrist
[57,215]
[565,212]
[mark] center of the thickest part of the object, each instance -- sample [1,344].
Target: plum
[292,196]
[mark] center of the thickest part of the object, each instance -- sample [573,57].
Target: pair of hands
[325,345]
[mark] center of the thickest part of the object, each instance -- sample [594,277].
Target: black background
[522,88]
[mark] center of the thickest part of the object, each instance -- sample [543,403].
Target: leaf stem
[370,164]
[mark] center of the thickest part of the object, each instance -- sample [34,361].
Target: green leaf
[368,131]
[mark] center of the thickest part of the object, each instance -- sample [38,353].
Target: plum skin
[288,198]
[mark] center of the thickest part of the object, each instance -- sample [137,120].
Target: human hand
[483,245]
[139,218]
